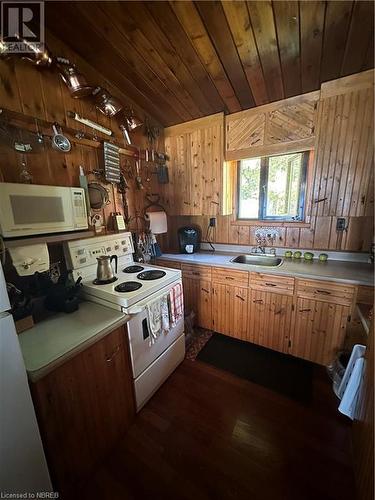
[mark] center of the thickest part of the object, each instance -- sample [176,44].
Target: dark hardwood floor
[209,435]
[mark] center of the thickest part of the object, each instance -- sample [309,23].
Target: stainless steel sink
[258,260]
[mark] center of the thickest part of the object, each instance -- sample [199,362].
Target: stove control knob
[116,247]
[125,249]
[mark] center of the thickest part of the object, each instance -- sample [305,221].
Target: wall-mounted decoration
[89,123]
[111,162]
[266,235]
[73,79]
[106,103]
[59,141]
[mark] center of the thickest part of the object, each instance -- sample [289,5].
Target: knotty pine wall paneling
[341,178]
[41,94]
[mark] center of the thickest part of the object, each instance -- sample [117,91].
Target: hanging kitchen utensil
[111,162]
[89,123]
[59,141]
[73,79]
[39,136]
[37,57]
[125,133]
[98,195]
[132,121]
[106,103]
[24,176]
[162,174]
[138,178]
[122,188]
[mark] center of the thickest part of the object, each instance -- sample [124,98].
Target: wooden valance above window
[286,126]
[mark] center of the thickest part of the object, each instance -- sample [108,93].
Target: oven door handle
[133,310]
[141,306]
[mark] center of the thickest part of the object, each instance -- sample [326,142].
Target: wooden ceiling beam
[216,24]
[193,26]
[263,24]
[312,15]
[286,16]
[239,24]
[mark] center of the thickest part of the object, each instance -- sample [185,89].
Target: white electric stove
[135,286]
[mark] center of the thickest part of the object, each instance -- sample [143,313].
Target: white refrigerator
[23,467]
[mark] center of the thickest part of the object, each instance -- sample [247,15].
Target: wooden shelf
[50,238]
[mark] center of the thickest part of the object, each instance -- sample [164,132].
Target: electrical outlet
[341,224]
[212,222]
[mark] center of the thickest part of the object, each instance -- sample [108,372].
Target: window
[272,187]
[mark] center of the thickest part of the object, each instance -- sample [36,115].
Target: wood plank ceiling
[181,60]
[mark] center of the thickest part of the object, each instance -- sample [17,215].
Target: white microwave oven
[30,209]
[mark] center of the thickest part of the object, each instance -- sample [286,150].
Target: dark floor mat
[282,373]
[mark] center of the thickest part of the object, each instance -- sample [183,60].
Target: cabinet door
[270,319]
[198,298]
[229,310]
[196,156]
[83,408]
[319,330]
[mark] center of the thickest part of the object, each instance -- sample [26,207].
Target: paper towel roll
[158,222]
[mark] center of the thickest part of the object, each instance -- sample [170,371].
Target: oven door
[142,351]
[31,209]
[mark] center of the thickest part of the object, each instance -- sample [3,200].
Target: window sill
[276,223]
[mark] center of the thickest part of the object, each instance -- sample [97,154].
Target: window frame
[263,181]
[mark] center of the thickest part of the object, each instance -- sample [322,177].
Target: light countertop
[58,338]
[355,273]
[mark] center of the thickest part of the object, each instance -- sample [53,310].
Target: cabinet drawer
[326,291]
[196,272]
[272,283]
[230,276]
[168,263]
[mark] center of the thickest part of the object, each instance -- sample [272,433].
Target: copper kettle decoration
[73,79]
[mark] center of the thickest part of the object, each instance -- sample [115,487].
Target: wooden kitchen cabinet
[270,316]
[319,330]
[198,298]
[84,407]
[230,310]
[197,179]
[306,318]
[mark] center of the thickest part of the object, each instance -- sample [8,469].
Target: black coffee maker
[189,239]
